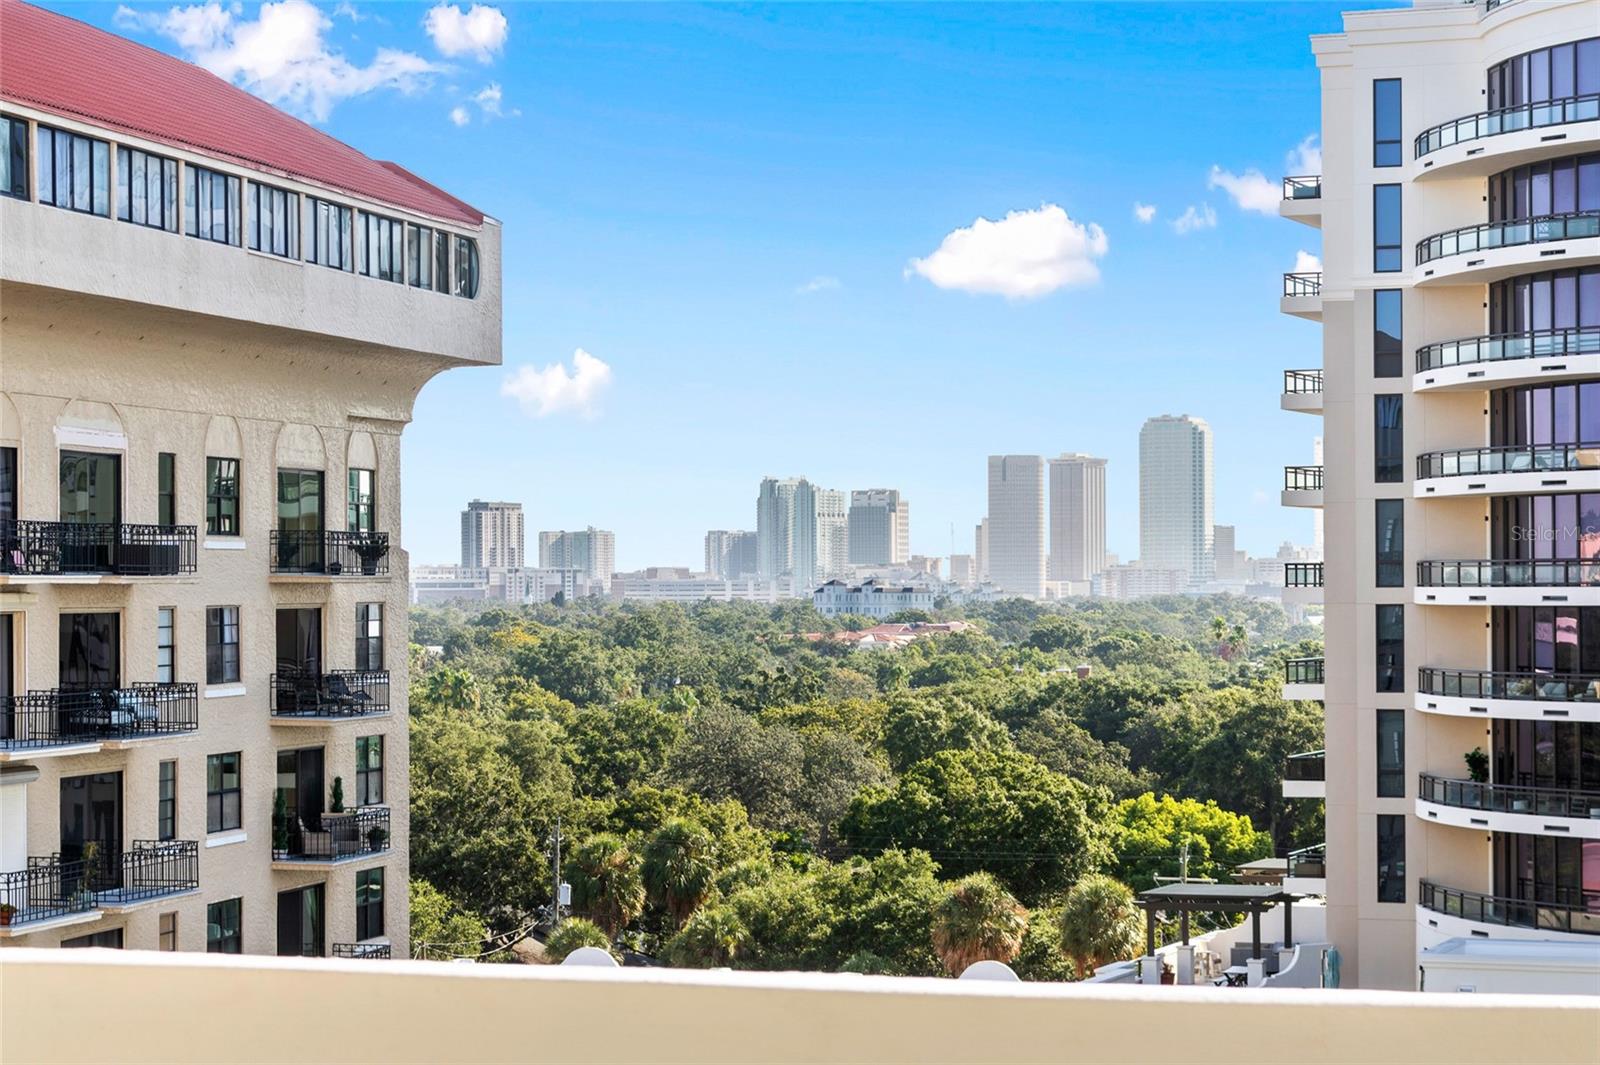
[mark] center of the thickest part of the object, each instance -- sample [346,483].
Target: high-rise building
[1228,560]
[775,526]
[203,616]
[880,528]
[1460,400]
[980,551]
[1077,517]
[963,570]
[491,535]
[591,551]
[802,531]
[1016,548]
[731,554]
[1175,495]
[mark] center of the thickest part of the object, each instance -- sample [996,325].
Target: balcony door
[300,922]
[90,651]
[91,495]
[300,783]
[300,520]
[91,813]
[300,640]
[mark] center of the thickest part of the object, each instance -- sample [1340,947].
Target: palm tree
[977,920]
[678,868]
[574,932]
[713,936]
[1099,923]
[607,882]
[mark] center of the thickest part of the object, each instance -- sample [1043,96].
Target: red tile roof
[59,64]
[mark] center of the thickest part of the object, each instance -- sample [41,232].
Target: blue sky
[723,206]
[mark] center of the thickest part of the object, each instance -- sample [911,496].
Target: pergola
[1214,898]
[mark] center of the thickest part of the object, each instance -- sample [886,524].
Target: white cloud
[1194,218]
[346,10]
[556,390]
[460,115]
[1024,255]
[820,283]
[1251,191]
[1306,263]
[1305,159]
[1144,212]
[488,98]
[281,55]
[480,31]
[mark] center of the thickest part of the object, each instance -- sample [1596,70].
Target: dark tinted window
[1386,122]
[1391,858]
[1391,754]
[1391,647]
[1387,356]
[13,157]
[1390,536]
[1386,228]
[1388,443]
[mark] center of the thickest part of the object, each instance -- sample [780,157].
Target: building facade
[591,551]
[216,322]
[1175,494]
[1015,538]
[1077,517]
[664,585]
[491,535]
[871,599]
[880,528]
[1460,393]
[802,531]
[731,554]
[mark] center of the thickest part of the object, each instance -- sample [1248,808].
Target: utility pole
[555,893]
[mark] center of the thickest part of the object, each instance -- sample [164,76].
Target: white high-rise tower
[1175,481]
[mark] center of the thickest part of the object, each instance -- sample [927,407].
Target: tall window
[1386,122]
[1391,857]
[8,484]
[1386,229]
[1388,439]
[222,927]
[222,497]
[428,258]
[166,489]
[164,645]
[466,267]
[1391,754]
[1391,647]
[167,801]
[168,932]
[362,501]
[369,904]
[379,247]
[210,205]
[147,189]
[13,157]
[330,234]
[1560,186]
[222,645]
[222,792]
[369,636]
[369,770]
[1387,356]
[1555,73]
[273,223]
[1390,534]
[74,172]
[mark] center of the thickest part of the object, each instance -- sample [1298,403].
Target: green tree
[1040,958]
[977,920]
[607,882]
[678,868]
[1149,834]
[1099,924]
[712,936]
[621,744]
[572,933]
[918,726]
[727,754]
[440,928]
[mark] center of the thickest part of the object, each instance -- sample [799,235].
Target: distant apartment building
[1229,562]
[1077,517]
[491,535]
[871,599]
[1175,495]
[528,584]
[670,585]
[591,551]
[217,319]
[879,528]
[963,570]
[802,531]
[731,554]
[980,550]
[1016,532]
[1136,581]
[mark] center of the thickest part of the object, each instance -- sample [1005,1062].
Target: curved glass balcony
[1509,573]
[1532,458]
[1534,344]
[1507,798]
[1571,911]
[1496,684]
[1507,120]
[1489,235]
[1308,187]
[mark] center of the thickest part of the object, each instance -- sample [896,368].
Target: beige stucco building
[1459,301]
[216,320]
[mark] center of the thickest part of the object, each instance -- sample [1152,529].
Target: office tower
[1077,517]
[1175,495]
[591,551]
[980,550]
[1459,417]
[1016,520]
[203,605]
[730,554]
[491,535]
[880,528]
[1222,539]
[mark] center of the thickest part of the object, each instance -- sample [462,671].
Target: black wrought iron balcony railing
[1507,347]
[1302,478]
[330,553]
[1530,458]
[66,549]
[1498,684]
[1305,187]
[333,837]
[48,888]
[370,951]
[1302,284]
[1490,235]
[1303,671]
[336,693]
[1508,798]
[1310,862]
[1309,766]
[1569,910]
[150,869]
[64,716]
[1302,574]
[1509,573]
[1302,382]
[1508,120]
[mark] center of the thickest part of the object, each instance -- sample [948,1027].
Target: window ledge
[224,839]
[224,691]
[224,544]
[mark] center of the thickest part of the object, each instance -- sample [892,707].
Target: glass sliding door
[300,526]
[90,651]
[91,501]
[300,931]
[91,826]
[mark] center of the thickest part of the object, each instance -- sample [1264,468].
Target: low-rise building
[871,599]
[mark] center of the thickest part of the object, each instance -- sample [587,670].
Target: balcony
[1302,200]
[1307,872]
[51,893]
[314,554]
[1571,913]
[1302,583]
[1302,296]
[1303,679]
[1484,471]
[1504,359]
[44,895]
[367,951]
[1491,141]
[63,721]
[1494,250]
[1483,693]
[1302,486]
[1302,391]
[59,551]
[1508,807]
[337,695]
[1305,776]
[1510,582]
[339,837]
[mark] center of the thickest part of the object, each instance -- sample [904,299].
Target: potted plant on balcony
[7,912]
[280,824]
[336,805]
[84,895]
[369,547]
[377,836]
[1477,765]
